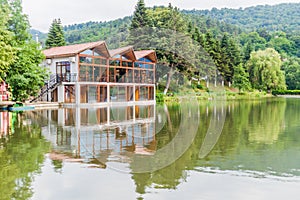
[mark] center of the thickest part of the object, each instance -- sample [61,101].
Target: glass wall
[92,68]
[93,93]
[118,94]
[144,93]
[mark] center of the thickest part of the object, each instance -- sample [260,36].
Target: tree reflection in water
[22,153]
[258,137]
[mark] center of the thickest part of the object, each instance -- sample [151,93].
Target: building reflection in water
[97,135]
[5,123]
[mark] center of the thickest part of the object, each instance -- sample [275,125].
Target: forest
[282,17]
[249,49]
[240,42]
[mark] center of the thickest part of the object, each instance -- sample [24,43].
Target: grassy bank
[229,95]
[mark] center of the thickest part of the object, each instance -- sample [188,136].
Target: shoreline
[166,99]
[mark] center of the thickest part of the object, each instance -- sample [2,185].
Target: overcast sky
[42,12]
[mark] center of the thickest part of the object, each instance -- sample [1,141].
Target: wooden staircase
[48,87]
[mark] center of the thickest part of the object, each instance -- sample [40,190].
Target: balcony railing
[66,77]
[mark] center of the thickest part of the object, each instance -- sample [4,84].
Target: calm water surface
[214,150]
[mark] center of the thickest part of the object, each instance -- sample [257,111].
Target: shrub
[286,92]
[160,97]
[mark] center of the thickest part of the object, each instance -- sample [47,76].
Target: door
[63,71]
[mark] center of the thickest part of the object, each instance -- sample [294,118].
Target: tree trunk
[170,74]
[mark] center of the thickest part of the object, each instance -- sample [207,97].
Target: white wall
[52,66]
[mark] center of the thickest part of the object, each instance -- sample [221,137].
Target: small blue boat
[20,108]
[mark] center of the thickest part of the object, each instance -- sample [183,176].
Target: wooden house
[89,73]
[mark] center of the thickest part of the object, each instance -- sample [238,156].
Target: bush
[160,97]
[286,92]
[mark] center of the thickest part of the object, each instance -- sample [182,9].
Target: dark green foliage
[231,57]
[140,16]
[56,35]
[291,66]
[284,17]
[139,30]
[253,38]
[241,78]
[113,32]
[160,97]
[286,92]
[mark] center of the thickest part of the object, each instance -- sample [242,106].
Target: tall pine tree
[56,36]
[241,78]
[140,27]
[140,17]
[231,57]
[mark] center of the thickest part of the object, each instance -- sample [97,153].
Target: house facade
[89,73]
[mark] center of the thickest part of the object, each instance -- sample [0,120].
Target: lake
[208,150]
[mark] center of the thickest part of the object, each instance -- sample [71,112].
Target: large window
[96,69]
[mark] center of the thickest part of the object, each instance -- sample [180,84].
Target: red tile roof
[70,50]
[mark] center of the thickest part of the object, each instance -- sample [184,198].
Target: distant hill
[282,17]
[113,32]
[41,36]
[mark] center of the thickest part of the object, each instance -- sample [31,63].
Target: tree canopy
[7,51]
[23,56]
[140,16]
[264,69]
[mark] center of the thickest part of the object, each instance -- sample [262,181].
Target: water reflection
[22,150]
[259,139]
[6,121]
[98,135]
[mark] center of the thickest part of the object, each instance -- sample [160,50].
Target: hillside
[281,17]
[115,32]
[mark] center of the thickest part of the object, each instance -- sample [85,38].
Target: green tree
[248,48]
[213,48]
[21,157]
[281,44]
[231,57]
[56,36]
[7,51]
[264,70]
[140,16]
[241,78]
[254,39]
[26,70]
[291,67]
[174,47]
[139,27]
